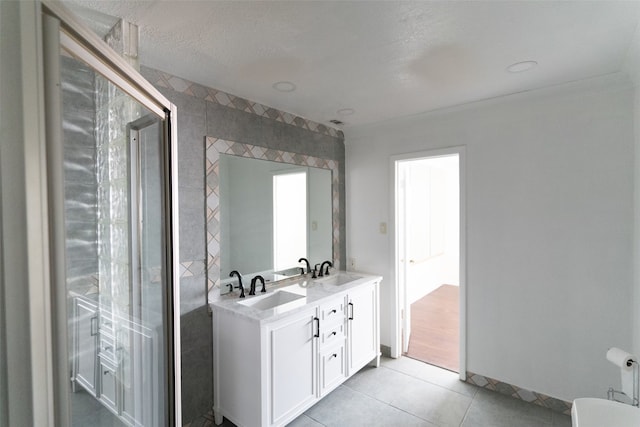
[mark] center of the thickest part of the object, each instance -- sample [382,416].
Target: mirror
[272,214]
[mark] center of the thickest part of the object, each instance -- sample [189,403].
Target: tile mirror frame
[213,148]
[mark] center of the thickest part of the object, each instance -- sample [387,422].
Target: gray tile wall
[81,187]
[205,112]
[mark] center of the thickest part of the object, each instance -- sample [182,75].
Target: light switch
[314,225]
[383,228]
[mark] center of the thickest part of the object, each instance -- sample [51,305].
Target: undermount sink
[591,412]
[269,301]
[338,279]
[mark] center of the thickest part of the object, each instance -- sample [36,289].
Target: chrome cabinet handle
[317,334]
[351,317]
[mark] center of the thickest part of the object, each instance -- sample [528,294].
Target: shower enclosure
[111,160]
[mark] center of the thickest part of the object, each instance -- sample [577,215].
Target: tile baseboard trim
[516,392]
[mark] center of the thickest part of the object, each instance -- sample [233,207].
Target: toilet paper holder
[635,399]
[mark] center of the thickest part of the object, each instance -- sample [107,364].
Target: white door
[413,220]
[403,262]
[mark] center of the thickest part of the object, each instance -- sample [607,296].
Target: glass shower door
[115,289]
[114,234]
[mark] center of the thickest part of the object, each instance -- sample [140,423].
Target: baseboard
[516,392]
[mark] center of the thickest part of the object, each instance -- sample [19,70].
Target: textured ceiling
[384,59]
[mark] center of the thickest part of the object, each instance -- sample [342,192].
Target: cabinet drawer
[106,323]
[107,349]
[332,311]
[332,335]
[332,368]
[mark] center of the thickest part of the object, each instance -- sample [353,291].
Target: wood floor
[435,328]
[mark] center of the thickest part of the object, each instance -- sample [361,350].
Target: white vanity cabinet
[269,370]
[363,328]
[115,361]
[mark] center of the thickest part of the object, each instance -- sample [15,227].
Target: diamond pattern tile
[214,147]
[219,97]
[519,393]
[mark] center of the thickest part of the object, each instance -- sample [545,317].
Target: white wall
[549,195]
[636,290]
[632,68]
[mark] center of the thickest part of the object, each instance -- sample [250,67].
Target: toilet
[592,412]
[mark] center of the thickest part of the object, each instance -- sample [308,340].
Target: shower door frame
[62,29]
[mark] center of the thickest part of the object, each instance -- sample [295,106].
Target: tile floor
[87,411]
[406,392]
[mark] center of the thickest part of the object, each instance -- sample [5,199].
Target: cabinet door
[362,312]
[86,341]
[292,364]
[108,386]
[332,368]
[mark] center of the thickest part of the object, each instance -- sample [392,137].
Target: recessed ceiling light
[520,67]
[346,111]
[284,86]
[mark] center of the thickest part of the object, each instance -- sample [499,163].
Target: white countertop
[313,291]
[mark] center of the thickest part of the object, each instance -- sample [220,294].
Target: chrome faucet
[252,290]
[326,272]
[235,273]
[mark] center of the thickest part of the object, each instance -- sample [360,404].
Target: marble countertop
[308,292]
[152,317]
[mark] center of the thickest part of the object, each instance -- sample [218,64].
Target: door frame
[397,305]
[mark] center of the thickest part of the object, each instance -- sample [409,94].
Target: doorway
[428,256]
